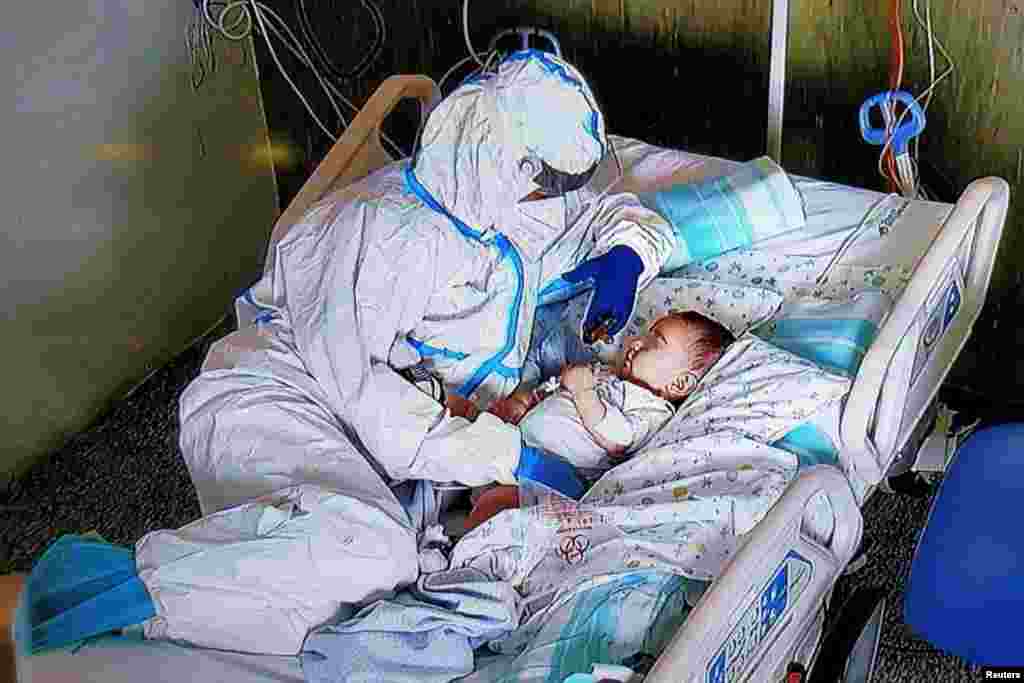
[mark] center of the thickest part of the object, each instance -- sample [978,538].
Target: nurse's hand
[459,406]
[615,276]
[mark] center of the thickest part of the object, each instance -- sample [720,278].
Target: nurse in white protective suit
[437,263]
[440,264]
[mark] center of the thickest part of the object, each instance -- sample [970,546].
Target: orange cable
[895,81]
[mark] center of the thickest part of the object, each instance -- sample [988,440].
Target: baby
[602,413]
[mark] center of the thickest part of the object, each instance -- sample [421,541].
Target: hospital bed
[767,609]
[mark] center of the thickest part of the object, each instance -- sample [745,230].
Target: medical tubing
[906,110]
[379,25]
[266,35]
[931,62]
[250,13]
[545,389]
[895,81]
[950,67]
[199,44]
[329,88]
[448,74]
[887,164]
[465,33]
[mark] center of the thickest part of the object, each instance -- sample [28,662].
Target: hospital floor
[125,476]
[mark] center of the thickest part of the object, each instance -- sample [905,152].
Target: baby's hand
[513,407]
[461,407]
[578,378]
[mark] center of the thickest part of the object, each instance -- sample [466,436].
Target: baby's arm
[515,406]
[580,382]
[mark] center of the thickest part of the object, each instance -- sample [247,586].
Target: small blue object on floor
[966,588]
[81,588]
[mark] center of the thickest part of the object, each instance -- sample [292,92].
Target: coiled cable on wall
[486,67]
[465,33]
[199,43]
[380,33]
[933,44]
[484,64]
[236,19]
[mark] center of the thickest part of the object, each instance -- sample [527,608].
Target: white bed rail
[757,615]
[972,230]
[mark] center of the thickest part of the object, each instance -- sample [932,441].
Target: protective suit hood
[483,146]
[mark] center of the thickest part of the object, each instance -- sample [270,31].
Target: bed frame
[731,635]
[971,232]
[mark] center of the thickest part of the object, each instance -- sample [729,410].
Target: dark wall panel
[694,74]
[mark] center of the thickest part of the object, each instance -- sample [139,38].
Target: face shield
[544,211]
[556,199]
[552,183]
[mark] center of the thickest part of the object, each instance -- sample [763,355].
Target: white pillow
[757,389]
[737,308]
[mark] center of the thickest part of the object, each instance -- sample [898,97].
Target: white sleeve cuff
[472,453]
[642,230]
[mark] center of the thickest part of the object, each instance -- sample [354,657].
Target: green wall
[134,206]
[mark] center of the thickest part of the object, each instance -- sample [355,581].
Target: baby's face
[656,358]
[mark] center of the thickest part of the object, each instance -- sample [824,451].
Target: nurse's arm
[618,219]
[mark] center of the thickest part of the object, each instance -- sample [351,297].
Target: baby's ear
[681,386]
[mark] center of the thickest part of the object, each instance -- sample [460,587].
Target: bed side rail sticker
[940,316]
[776,600]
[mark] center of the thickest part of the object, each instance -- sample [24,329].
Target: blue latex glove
[544,468]
[615,276]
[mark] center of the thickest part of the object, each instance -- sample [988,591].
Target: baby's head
[675,353]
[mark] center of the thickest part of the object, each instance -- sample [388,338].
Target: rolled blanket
[756,201]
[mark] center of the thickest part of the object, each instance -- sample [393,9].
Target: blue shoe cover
[81,588]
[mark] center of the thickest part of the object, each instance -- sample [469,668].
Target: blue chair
[966,588]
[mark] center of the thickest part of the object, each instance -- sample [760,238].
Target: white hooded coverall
[432,262]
